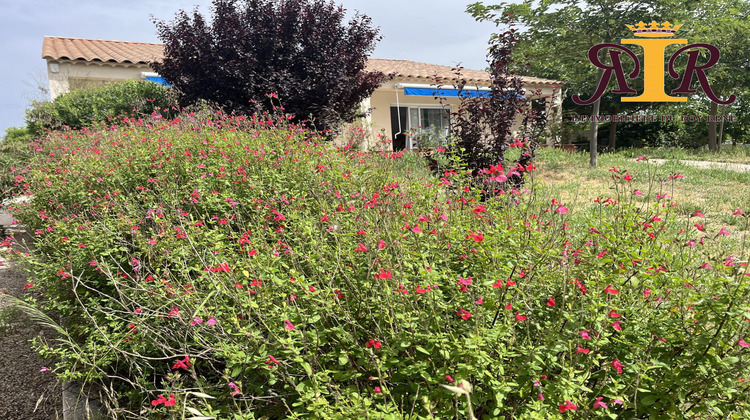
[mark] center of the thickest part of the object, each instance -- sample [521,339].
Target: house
[404,104]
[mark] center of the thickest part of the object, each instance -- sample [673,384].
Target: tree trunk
[612,135]
[595,125]
[712,127]
[721,127]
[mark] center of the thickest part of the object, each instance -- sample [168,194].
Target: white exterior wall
[93,72]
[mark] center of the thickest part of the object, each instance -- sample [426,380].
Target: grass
[716,192]
[731,154]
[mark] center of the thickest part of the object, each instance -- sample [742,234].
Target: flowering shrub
[240,267]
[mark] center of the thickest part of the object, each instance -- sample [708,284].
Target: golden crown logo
[653,30]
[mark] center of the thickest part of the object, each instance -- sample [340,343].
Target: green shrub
[241,268]
[84,107]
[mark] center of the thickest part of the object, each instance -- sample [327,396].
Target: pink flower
[616,325]
[738,212]
[567,406]
[700,226]
[196,321]
[723,231]
[599,404]
[211,321]
[449,378]
[617,401]
[585,335]
[742,343]
[646,292]
[152,241]
[161,400]
[561,209]
[617,365]
[582,350]
[289,325]
[235,389]
[479,301]
[698,214]
[381,244]
[416,229]
[706,266]
[43,369]
[271,362]
[637,192]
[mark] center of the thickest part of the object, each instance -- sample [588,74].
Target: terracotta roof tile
[58,48]
[413,69]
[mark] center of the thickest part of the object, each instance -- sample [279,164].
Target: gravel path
[26,393]
[737,167]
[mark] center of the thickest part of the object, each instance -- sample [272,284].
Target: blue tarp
[159,80]
[446,92]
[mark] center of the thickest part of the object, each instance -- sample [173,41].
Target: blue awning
[418,91]
[159,80]
[443,92]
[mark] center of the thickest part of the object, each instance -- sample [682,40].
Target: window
[412,125]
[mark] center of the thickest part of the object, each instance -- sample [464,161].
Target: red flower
[614,314]
[289,325]
[223,267]
[464,314]
[384,274]
[582,350]
[610,290]
[360,248]
[551,302]
[520,317]
[381,244]
[182,364]
[477,237]
[373,343]
[568,405]
[161,400]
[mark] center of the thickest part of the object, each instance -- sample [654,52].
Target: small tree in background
[482,125]
[299,50]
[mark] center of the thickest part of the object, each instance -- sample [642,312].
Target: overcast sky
[431,31]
